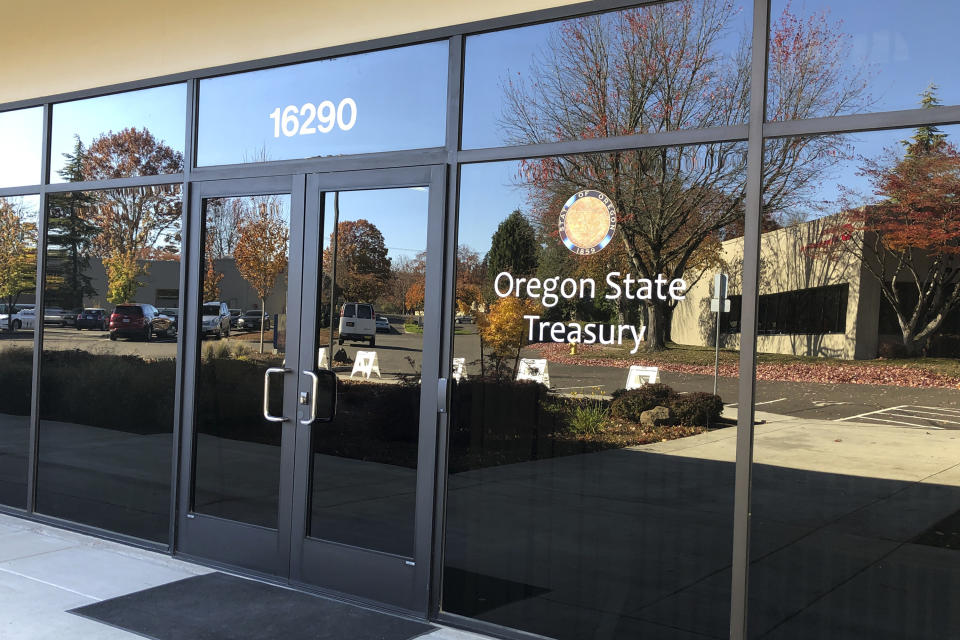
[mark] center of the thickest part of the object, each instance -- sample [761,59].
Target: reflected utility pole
[333,273]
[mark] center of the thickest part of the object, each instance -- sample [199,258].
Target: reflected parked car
[138,320]
[24,319]
[174,314]
[216,320]
[250,321]
[357,322]
[383,324]
[55,315]
[93,318]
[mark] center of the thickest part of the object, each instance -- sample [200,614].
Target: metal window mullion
[740,572]
[28,190]
[454,132]
[34,436]
[852,123]
[178,416]
[115,183]
[732,133]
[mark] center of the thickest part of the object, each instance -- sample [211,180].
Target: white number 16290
[326,114]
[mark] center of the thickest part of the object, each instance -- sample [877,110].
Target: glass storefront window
[18,254]
[243,293]
[20,147]
[587,496]
[669,66]
[380,101]
[108,370]
[146,129]
[832,58]
[854,512]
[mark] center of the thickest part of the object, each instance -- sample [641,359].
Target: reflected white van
[358,322]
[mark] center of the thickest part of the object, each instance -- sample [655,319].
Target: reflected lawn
[926,372]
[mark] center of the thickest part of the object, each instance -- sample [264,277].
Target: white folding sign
[535,370]
[366,364]
[639,376]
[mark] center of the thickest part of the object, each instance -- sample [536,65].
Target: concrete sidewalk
[46,571]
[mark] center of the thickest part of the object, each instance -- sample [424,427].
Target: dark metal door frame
[255,548]
[382,579]
[362,574]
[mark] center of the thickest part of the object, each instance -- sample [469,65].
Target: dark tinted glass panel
[381,101]
[676,65]
[829,57]
[20,146]
[237,459]
[108,379]
[591,478]
[855,490]
[364,474]
[146,128]
[18,254]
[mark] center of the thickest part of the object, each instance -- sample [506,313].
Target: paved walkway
[45,571]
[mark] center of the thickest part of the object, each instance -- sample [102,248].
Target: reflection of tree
[513,248]
[18,255]
[662,68]
[502,330]
[136,222]
[70,236]
[910,240]
[261,250]
[363,268]
[471,272]
[211,277]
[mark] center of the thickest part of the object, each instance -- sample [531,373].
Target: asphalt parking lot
[399,354]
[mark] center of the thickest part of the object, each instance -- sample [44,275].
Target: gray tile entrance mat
[216,606]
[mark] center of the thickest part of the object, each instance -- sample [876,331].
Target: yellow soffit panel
[59,46]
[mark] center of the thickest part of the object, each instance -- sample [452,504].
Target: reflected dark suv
[138,320]
[92,319]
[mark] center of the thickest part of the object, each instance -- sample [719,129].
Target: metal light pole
[719,304]
[333,272]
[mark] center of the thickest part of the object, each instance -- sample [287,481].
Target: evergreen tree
[513,248]
[69,236]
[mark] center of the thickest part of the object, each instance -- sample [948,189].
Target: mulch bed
[833,373]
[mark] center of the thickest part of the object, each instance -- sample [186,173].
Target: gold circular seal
[587,222]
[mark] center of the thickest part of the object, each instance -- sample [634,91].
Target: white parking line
[905,424]
[943,409]
[870,413]
[900,415]
[757,403]
[910,412]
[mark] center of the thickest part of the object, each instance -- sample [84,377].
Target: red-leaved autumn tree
[134,222]
[666,67]
[910,240]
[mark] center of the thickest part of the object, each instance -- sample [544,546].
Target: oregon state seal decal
[587,222]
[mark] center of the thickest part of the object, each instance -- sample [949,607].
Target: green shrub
[698,409]
[628,405]
[588,416]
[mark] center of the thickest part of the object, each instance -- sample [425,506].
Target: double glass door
[309,437]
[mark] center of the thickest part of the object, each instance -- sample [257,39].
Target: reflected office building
[608,322]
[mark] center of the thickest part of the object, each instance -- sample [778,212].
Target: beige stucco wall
[57,46]
[786,266]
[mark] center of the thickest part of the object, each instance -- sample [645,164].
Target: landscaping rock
[656,417]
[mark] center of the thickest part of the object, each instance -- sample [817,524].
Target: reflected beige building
[811,303]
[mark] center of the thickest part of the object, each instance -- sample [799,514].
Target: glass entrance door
[371,309]
[310,450]
[241,315]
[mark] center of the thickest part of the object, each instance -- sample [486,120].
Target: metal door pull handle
[266,393]
[313,397]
